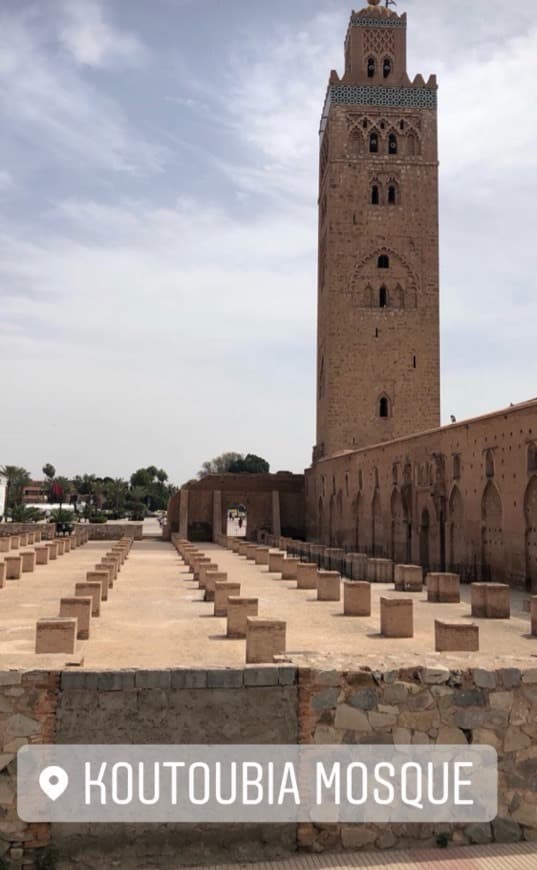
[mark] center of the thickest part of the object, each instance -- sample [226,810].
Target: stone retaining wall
[310,703]
[114,531]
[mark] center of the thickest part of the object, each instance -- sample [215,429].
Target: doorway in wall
[236,521]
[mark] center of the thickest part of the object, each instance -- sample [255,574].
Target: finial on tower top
[388,3]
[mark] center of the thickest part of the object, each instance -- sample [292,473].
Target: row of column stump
[265,638]
[488,600]
[16,561]
[59,634]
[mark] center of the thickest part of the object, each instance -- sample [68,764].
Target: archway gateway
[236,521]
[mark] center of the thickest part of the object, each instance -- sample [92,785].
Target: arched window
[373,143]
[392,194]
[371,67]
[489,463]
[383,261]
[375,196]
[386,67]
[392,144]
[384,407]
[532,457]
[383,298]
[412,144]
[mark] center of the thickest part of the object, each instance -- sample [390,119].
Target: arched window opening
[383,297]
[373,143]
[364,123]
[386,67]
[383,261]
[384,407]
[412,144]
[392,144]
[370,67]
[489,463]
[456,466]
[375,196]
[402,125]
[532,457]
[392,194]
[414,362]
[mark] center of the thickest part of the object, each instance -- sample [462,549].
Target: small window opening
[364,123]
[373,143]
[386,67]
[383,297]
[402,125]
[392,144]
[392,195]
[383,262]
[370,67]
[414,362]
[376,333]
[375,198]
[384,407]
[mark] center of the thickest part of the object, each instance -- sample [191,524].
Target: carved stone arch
[456,543]
[396,255]
[530,516]
[356,142]
[413,143]
[384,406]
[357,509]
[492,546]
[399,528]
[377,526]
[398,296]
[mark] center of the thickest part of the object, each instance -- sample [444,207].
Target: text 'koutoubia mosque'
[386,478]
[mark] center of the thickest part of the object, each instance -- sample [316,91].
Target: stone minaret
[378,371]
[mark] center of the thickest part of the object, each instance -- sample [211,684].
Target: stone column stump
[443,588]
[41,555]
[222,591]
[397,617]
[328,586]
[455,637]
[28,561]
[265,638]
[290,568]
[211,579]
[306,575]
[13,567]
[56,635]
[356,598]
[90,589]
[80,609]
[238,611]
[408,578]
[275,562]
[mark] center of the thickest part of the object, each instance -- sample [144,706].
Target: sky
[158,184]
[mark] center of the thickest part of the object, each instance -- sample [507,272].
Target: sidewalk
[512,856]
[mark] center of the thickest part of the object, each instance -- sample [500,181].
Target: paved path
[518,856]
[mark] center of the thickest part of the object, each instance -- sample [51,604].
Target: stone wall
[388,701]
[47,530]
[461,498]
[114,531]
[428,705]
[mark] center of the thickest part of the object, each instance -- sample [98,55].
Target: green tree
[17,479]
[250,464]
[220,464]
[49,470]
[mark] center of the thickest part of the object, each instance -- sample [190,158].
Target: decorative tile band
[364,95]
[378,22]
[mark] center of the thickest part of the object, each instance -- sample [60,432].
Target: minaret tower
[378,370]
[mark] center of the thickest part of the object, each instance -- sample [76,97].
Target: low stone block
[23,539]
[356,598]
[80,609]
[110,562]
[56,635]
[14,542]
[222,591]
[90,589]
[102,577]
[262,556]
[397,617]
[238,611]
[306,575]
[197,563]
[60,546]
[289,568]
[5,544]
[455,637]
[328,586]
[250,552]
[443,588]
[2,574]
[28,561]
[67,545]
[207,566]
[490,600]
[265,638]
[408,578]
[13,567]
[243,547]
[379,570]
[52,550]
[211,579]
[275,562]
[41,555]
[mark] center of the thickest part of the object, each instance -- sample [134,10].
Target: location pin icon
[53,781]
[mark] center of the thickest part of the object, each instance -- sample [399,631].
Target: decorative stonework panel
[376,95]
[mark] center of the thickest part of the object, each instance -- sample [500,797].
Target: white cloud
[95,42]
